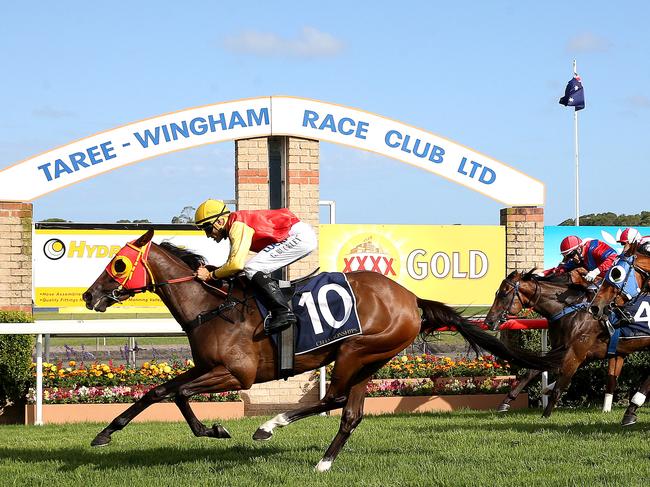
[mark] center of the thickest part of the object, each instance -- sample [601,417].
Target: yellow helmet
[209,211]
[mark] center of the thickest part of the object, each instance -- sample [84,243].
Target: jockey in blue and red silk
[591,254]
[277,236]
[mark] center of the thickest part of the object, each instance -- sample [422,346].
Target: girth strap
[568,310]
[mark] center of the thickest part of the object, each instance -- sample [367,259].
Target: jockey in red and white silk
[631,236]
[591,254]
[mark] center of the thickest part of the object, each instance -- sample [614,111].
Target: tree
[186,216]
[610,219]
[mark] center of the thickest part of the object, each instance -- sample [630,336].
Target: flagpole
[575,130]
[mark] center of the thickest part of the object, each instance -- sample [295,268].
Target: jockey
[277,236]
[591,254]
[631,236]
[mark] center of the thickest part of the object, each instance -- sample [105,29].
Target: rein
[517,295]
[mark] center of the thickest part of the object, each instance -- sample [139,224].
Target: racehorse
[625,281]
[582,334]
[231,351]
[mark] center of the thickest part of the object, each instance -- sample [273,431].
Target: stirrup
[276,324]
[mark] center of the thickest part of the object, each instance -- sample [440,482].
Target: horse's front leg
[153,396]
[568,369]
[514,393]
[614,367]
[629,418]
[218,379]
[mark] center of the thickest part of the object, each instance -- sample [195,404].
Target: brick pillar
[252,174]
[524,237]
[16,257]
[303,193]
[252,193]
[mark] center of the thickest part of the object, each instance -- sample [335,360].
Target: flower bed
[74,383]
[429,375]
[439,387]
[425,383]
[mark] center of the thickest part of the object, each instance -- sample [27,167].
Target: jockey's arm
[608,261]
[240,236]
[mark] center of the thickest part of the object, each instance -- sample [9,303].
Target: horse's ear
[631,250]
[144,239]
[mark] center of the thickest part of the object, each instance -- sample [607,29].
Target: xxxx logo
[372,253]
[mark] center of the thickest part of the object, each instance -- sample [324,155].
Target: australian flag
[574,95]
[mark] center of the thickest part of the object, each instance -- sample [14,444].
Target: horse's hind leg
[344,373]
[629,418]
[350,419]
[512,395]
[614,366]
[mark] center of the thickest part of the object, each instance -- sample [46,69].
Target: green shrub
[15,360]
[587,386]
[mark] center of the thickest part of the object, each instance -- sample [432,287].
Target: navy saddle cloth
[326,309]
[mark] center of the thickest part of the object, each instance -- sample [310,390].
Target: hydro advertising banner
[458,265]
[554,235]
[67,261]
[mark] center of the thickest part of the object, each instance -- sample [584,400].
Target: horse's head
[621,284]
[516,292]
[126,272]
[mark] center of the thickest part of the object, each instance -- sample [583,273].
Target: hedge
[588,384]
[15,360]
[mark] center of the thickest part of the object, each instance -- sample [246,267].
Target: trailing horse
[231,351]
[584,336]
[626,286]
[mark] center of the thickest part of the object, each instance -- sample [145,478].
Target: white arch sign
[261,117]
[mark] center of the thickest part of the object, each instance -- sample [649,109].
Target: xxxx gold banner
[458,265]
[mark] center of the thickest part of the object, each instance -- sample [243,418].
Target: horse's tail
[438,315]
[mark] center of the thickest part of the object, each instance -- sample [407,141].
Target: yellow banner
[458,265]
[65,297]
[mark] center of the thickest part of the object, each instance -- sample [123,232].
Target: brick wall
[16,257]
[252,193]
[252,174]
[303,193]
[524,237]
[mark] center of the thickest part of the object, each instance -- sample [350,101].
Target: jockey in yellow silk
[278,237]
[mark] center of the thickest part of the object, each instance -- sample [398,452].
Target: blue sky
[487,75]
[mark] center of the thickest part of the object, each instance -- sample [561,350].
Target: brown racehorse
[611,295]
[233,354]
[586,339]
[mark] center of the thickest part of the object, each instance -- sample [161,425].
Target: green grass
[457,449]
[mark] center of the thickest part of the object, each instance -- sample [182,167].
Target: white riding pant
[300,242]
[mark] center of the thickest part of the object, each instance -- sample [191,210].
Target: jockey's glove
[591,275]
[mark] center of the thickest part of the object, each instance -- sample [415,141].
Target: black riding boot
[271,295]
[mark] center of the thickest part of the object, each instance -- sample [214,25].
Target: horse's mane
[551,278]
[192,259]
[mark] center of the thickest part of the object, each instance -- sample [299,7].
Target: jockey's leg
[300,242]
[271,295]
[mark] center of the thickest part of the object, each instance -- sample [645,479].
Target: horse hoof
[323,466]
[100,440]
[503,408]
[262,435]
[220,431]
[628,420]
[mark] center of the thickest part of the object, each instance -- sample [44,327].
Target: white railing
[84,328]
